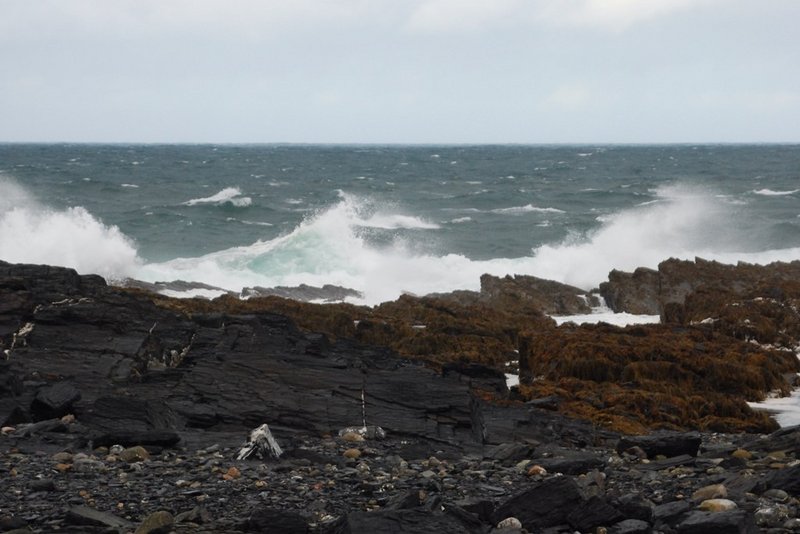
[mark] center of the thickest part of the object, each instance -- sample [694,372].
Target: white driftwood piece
[262,444]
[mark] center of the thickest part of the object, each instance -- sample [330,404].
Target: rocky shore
[124,411]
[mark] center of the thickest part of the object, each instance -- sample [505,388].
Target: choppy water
[388,219]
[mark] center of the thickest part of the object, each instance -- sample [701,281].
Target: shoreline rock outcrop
[125,411]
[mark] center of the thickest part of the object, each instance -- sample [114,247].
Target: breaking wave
[34,233]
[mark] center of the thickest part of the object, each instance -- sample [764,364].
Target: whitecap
[229,195]
[771,193]
[132,186]
[529,208]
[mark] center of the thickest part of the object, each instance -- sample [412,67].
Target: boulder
[543,505]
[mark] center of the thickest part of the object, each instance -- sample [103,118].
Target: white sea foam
[528,208]
[33,233]
[395,221]
[689,222]
[133,186]
[771,193]
[460,220]
[229,195]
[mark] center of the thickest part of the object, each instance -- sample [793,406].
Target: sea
[388,220]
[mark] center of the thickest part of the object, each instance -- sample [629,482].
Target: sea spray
[34,233]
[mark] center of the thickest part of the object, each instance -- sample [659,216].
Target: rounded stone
[134,454]
[714,491]
[742,454]
[352,437]
[510,522]
[353,454]
[717,505]
[156,523]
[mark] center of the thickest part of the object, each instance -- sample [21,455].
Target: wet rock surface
[120,415]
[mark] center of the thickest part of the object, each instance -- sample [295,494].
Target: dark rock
[43,484]
[631,526]
[666,463]
[544,505]
[406,522]
[197,515]
[732,522]
[671,513]
[483,508]
[636,507]
[156,523]
[304,293]
[595,512]
[572,463]
[146,438]
[275,520]
[54,401]
[669,444]
[509,452]
[8,523]
[786,479]
[84,515]
[477,375]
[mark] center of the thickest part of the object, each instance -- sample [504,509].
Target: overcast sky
[408,71]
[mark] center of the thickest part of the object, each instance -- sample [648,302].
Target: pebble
[134,454]
[717,505]
[352,454]
[713,491]
[510,522]
[352,437]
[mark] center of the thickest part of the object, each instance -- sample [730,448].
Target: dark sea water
[388,219]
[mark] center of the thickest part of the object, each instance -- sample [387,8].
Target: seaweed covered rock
[656,376]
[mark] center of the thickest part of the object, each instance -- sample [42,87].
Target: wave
[34,233]
[336,246]
[529,208]
[771,193]
[229,195]
[688,222]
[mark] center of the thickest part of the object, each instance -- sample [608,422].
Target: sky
[400,71]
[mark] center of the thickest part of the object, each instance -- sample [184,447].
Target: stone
[134,454]
[713,491]
[156,523]
[352,454]
[352,437]
[510,522]
[275,520]
[571,463]
[536,471]
[631,526]
[413,521]
[85,515]
[742,454]
[669,444]
[197,515]
[543,505]
[232,473]
[786,479]
[771,516]
[595,512]
[732,522]
[54,401]
[717,505]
